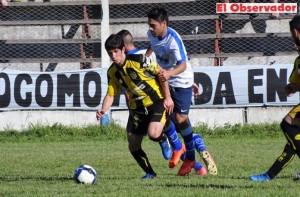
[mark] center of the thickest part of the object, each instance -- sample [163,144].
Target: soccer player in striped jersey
[150,100]
[178,147]
[290,124]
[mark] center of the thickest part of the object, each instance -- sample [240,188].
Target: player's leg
[199,169]
[205,155]
[134,143]
[135,148]
[292,147]
[182,100]
[187,134]
[155,119]
[178,147]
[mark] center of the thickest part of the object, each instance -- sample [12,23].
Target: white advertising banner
[230,86]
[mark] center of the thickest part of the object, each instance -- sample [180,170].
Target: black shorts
[139,119]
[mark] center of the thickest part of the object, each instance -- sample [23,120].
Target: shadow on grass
[14,179]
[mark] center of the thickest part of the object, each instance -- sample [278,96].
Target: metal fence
[66,35]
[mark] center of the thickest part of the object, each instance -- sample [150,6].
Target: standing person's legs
[182,99]
[206,156]
[290,126]
[134,145]
[178,147]
[285,158]
[157,120]
[135,148]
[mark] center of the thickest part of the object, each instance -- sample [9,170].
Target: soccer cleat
[166,149]
[186,167]
[260,177]
[202,171]
[209,162]
[148,176]
[174,161]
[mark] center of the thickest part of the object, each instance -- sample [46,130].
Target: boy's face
[157,29]
[117,56]
[296,38]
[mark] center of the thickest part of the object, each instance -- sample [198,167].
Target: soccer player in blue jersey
[290,124]
[171,55]
[171,133]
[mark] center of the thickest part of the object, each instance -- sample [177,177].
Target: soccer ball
[296,176]
[85,174]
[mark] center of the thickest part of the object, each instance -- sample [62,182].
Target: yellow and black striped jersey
[138,77]
[295,75]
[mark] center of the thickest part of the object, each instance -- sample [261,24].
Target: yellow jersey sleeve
[113,87]
[295,75]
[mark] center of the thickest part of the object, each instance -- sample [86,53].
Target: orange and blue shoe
[175,159]
[186,167]
[209,162]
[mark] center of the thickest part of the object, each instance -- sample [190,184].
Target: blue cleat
[148,176]
[260,177]
[166,149]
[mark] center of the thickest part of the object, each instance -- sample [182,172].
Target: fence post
[105,62]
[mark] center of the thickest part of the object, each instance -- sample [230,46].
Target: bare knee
[182,120]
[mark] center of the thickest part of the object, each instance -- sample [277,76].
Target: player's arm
[292,88]
[153,68]
[149,51]
[196,90]
[180,67]
[168,102]
[294,83]
[112,90]
[107,103]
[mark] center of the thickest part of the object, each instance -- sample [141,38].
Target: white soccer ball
[296,175]
[85,174]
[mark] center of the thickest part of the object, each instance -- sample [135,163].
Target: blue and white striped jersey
[170,52]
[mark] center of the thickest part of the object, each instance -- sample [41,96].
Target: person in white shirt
[171,55]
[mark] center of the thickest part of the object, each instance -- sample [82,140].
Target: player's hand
[164,75]
[196,90]
[169,105]
[290,89]
[99,114]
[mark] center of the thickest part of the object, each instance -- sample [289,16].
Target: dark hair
[114,41]
[158,14]
[295,23]
[126,36]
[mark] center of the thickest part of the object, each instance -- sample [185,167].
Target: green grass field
[41,162]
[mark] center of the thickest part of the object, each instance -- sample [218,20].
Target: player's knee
[168,126]
[154,135]
[181,118]
[286,126]
[133,147]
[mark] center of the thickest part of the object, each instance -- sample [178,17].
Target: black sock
[288,153]
[282,161]
[160,139]
[142,159]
